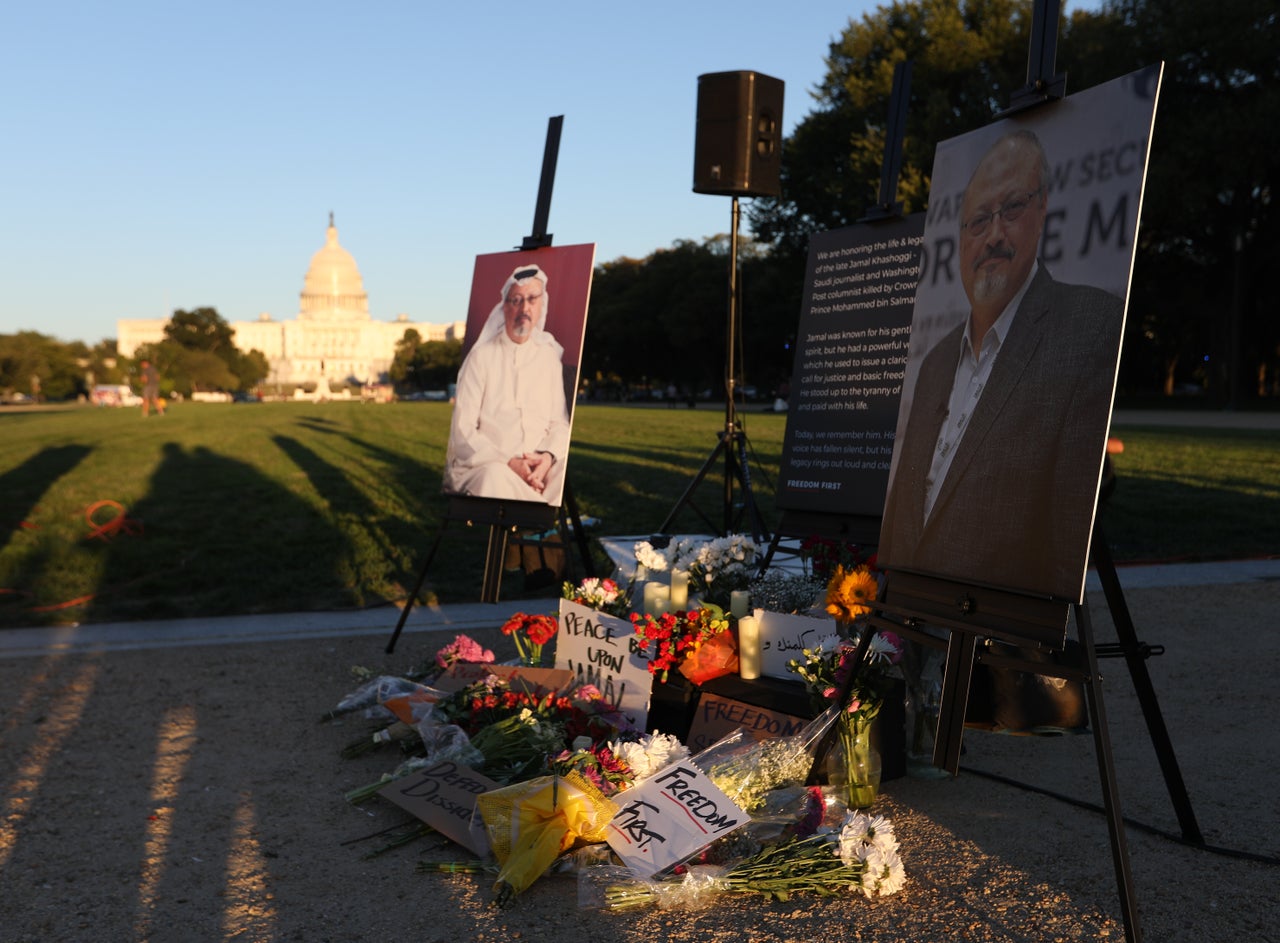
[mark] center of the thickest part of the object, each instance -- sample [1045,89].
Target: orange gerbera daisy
[851,593]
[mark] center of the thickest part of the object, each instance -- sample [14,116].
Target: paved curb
[464,617]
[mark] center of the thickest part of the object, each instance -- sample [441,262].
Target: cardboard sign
[444,796]
[669,817]
[536,681]
[783,637]
[717,716]
[600,650]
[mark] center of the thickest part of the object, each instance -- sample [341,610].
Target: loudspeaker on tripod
[738,146]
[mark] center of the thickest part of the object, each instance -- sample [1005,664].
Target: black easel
[511,517]
[504,518]
[731,441]
[859,529]
[962,618]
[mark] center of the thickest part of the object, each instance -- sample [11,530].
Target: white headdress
[496,323]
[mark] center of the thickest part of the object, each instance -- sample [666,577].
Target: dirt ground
[193,794]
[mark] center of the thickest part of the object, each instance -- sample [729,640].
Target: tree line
[198,354]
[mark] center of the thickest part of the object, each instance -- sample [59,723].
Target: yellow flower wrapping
[530,824]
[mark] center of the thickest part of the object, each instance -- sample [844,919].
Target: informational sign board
[444,796]
[851,348]
[717,716]
[669,817]
[784,636]
[600,649]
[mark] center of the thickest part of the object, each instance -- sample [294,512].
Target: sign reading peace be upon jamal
[669,817]
[601,650]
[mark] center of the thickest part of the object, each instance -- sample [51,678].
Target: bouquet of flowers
[601,595]
[860,855]
[825,670]
[822,555]
[716,567]
[462,648]
[620,764]
[530,633]
[674,638]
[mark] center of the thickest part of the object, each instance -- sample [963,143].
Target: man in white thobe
[510,432]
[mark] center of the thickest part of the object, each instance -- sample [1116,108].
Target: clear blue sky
[163,155]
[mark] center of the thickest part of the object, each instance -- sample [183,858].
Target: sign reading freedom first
[851,354]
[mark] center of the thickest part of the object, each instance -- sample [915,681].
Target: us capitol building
[333,339]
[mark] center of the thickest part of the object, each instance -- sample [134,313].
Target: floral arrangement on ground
[563,759]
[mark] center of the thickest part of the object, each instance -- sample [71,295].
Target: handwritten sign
[717,716]
[783,637]
[669,817]
[601,650]
[535,681]
[444,796]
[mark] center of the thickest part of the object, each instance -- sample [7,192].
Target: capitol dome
[333,290]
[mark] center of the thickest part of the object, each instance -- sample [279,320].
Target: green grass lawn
[288,507]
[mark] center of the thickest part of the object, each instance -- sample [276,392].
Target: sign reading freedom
[851,353]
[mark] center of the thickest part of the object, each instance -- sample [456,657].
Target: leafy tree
[202,332]
[429,365]
[436,363]
[1210,239]
[402,363]
[250,369]
[200,329]
[1209,229]
[36,365]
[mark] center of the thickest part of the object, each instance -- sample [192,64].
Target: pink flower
[463,648]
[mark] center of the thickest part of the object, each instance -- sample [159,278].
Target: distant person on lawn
[151,390]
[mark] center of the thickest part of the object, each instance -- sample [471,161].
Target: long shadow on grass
[623,488]
[22,487]
[419,483]
[1152,518]
[392,538]
[219,538]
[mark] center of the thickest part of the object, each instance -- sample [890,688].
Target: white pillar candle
[655,596]
[739,600]
[679,590]
[749,648]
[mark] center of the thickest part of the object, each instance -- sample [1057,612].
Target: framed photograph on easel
[513,413]
[1015,343]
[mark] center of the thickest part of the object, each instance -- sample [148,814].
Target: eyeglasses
[1009,210]
[515,300]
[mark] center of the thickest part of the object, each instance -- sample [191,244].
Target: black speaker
[738,147]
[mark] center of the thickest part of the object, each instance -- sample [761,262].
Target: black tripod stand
[732,439]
